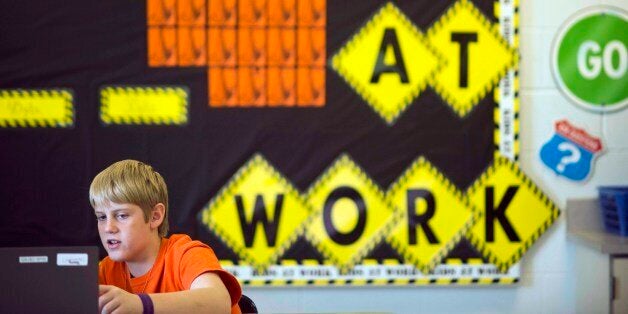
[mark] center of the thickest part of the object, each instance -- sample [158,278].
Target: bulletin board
[308,142]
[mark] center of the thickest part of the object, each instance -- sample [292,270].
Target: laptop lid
[49,280]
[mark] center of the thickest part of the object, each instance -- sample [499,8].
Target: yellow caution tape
[144,105]
[35,108]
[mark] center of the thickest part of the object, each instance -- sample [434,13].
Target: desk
[584,226]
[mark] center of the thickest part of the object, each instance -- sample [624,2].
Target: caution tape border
[487,280]
[107,119]
[516,99]
[422,162]
[66,94]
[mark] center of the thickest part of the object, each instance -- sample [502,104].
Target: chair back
[247,305]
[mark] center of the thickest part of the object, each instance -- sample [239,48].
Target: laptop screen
[49,280]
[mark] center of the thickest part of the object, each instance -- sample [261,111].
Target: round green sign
[590,58]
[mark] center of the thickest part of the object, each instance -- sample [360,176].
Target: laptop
[49,280]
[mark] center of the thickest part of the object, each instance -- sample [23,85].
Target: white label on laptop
[71,259]
[33,259]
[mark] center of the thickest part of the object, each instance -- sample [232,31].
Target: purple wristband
[147,303]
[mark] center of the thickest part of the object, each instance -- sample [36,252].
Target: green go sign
[590,59]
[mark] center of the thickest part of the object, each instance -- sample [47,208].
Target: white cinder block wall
[557,275]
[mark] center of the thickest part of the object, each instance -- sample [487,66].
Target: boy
[145,271]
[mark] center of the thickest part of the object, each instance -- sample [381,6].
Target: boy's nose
[110,226]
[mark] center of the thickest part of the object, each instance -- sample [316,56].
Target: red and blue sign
[571,151]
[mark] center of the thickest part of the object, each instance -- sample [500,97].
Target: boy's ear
[157,215]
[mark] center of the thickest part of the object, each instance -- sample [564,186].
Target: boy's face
[123,231]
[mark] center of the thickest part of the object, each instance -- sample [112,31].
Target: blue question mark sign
[570,151]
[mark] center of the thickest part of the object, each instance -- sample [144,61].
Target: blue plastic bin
[614,206]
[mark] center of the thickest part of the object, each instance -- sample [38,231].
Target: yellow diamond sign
[477,56]
[351,214]
[515,211]
[388,62]
[269,211]
[435,215]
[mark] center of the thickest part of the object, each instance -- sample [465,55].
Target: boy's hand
[115,300]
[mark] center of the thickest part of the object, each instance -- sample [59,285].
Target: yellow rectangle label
[36,108]
[165,105]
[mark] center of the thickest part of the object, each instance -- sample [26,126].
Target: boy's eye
[101,218]
[123,216]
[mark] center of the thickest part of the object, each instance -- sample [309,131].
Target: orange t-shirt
[179,262]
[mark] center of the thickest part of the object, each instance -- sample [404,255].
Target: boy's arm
[207,294]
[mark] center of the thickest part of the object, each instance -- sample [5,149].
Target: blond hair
[132,182]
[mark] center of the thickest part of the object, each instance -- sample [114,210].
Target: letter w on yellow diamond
[351,214]
[388,62]
[477,56]
[259,214]
[435,215]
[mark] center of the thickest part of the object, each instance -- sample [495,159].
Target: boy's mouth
[112,244]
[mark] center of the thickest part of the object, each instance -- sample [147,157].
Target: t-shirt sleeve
[201,259]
